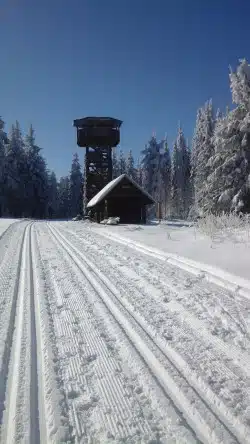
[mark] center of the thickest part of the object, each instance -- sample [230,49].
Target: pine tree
[229,180]
[36,178]
[202,151]
[14,169]
[139,173]
[180,177]
[188,190]
[64,198]
[130,166]
[151,164]
[3,142]
[53,195]
[166,179]
[196,144]
[76,187]
[122,163]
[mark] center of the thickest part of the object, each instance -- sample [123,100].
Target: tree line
[210,175]
[27,187]
[213,175]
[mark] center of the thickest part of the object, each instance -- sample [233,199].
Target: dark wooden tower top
[98,132]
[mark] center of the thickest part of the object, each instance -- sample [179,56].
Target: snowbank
[229,251]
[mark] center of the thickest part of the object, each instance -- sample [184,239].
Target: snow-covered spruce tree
[180,177]
[130,166]
[76,187]
[3,142]
[64,198]
[196,143]
[15,168]
[52,195]
[122,163]
[139,173]
[229,181]
[115,164]
[202,151]
[165,179]
[35,175]
[151,163]
[188,190]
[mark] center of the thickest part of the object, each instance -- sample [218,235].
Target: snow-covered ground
[106,340]
[5,223]
[229,250]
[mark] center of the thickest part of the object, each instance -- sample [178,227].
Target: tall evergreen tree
[166,179]
[180,176]
[202,151]
[122,163]
[151,163]
[196,144]
[53,195]
[139,173]
[3,142]
[14,169]
[130,166]
[76,187]
[188,190]
[36,178]
[64,198]
[229,180]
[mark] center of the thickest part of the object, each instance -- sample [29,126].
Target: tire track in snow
[202,429]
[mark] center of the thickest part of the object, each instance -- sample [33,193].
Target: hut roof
[111,185]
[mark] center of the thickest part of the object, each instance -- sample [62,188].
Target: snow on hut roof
[103,193]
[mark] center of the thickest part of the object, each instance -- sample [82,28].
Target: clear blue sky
[148,63]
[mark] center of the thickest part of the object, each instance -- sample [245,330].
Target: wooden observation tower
[98,135]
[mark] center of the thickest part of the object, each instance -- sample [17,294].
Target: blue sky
[148,63]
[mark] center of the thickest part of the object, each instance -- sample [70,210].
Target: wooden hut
[122,197]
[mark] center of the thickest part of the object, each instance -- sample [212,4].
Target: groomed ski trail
[100,343]
[27,413]
[112,395]
[223,421]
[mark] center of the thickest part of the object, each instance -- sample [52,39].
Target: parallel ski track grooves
[34,386]
[9,336]
[193,323]
[182,263]
[229,350]
[111,389]
[51,397]
[202,430]
[17,354]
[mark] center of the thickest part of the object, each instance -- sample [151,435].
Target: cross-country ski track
[104,342]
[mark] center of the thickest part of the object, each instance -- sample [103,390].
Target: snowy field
[107,338]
